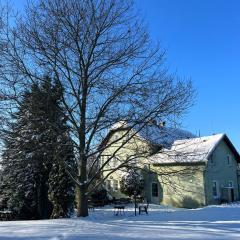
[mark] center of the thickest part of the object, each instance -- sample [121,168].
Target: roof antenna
[212,130]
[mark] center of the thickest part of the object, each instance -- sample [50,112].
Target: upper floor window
[114,162]
[116,137]
[115,185]
[229,160]
[211,160]
[102,160]
[128,136]
[108,184]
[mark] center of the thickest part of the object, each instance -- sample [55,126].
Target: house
[213,177]
[178,168]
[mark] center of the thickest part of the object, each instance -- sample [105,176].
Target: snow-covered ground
[213,222]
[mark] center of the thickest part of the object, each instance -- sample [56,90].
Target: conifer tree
[35,147]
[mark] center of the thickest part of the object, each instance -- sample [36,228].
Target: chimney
[162,124]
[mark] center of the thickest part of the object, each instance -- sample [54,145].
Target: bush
[131,182]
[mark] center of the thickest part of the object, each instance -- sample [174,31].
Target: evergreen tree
[131,182]
[61,190]
[21,165]
[35,146]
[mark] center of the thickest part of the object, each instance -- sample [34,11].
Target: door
[155,193]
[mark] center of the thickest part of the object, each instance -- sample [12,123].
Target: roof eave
[197,163]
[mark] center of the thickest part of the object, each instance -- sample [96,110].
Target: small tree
[131,183]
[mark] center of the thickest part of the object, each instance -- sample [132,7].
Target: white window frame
[230,182]
[217,189]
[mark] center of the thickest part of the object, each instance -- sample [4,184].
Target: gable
[232,148]
[151,133]
[222,151]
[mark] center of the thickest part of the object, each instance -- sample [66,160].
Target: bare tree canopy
[101,54]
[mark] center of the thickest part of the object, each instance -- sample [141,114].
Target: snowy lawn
[214,222]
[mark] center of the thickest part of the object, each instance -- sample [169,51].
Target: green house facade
[183,170]
[211,173]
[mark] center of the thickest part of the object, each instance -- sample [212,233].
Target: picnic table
[119,209]
[6,215]
[93,204]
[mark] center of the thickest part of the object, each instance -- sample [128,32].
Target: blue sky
[202,39]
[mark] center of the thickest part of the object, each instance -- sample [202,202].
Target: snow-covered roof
[156,134]
[178,146]
[189,150]
[164,136]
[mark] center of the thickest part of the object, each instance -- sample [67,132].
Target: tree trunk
[44,207]
[82,201]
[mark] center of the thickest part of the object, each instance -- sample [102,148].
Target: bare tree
[101,54]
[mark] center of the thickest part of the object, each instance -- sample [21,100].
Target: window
[102,160]
[115,185]
[128,136]
[211,161]
[114,162]
[154,189]
[229,160]
[116,137]
[108,184]
[230,184]
[215,189]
